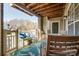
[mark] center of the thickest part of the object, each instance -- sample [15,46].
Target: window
[73,19]
[55,27]
[71,29]
[77,28]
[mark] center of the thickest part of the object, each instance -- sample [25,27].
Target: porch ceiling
[52,10]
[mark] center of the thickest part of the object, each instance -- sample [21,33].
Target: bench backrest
[62,42]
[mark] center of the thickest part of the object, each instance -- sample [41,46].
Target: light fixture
[65,17]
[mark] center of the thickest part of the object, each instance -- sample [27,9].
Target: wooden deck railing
[62,45]
[11,40]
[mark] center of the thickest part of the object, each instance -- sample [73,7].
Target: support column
[1,31]
[40,26]
[43,23]
[43,26]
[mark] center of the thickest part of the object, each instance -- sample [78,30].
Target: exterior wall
[45,24]
[39,28]
[43,27]
[65,20]
[60,19]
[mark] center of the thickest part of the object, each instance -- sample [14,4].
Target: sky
[11,13]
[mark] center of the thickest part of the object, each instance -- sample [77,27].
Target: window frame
[71,14]
[58,27]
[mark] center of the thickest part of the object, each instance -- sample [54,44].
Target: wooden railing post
[17,39]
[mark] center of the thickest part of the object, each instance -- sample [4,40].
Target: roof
[52,10]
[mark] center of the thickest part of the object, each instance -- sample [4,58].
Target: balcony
[62,45]
[57,21]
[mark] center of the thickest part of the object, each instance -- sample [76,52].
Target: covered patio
[58,25]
